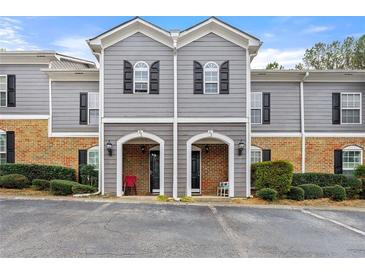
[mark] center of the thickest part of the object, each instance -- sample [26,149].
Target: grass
[162,198]
[24,192]
[186,199]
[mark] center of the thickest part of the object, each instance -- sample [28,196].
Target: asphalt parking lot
[36,228]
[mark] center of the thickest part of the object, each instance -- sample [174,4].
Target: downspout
[175,36]
[248,124]
[302,125]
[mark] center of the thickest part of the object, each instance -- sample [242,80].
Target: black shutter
[83,108]
[266,108]
[82,160]
[336,108]
[155,77]
[224,78]
[198,78]
[266,155]
[128,77]
[11,91]
[10,147]
[338,161]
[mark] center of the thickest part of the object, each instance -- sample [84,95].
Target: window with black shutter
[224,78]
[336,108]
[266,108]
[83,108]
[11,90]
[338,161]
[155,78]
[10,147]
[198,78]
[128,78]
[266,155]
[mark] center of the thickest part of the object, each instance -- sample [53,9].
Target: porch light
[206,147]
[241,147]
[143,148]
[109,148]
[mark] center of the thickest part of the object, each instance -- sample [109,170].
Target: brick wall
[320,152]
[282,148]
[33,146]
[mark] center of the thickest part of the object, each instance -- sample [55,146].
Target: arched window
[256,154]
[2,147]
[351,158]
[93,157]
[141,77]
[211,78]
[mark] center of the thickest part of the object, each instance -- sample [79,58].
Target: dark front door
[154,171]
[195,171]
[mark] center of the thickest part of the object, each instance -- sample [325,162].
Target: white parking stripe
[334,221]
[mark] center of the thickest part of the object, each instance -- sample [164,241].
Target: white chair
[223,189]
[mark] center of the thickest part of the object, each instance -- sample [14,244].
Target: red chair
[130,184]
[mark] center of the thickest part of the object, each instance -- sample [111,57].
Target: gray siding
[236,132]
[32,92]
[137,47]
[212,48]
[66,106]
[114,132]
[285,106]
[318,106]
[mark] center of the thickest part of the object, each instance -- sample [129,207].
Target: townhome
[181,110]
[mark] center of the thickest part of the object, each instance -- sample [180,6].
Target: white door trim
[223,138]
[139,134]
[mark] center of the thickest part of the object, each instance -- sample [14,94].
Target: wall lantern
[143,148]
[206,148]
[109,148]
[241,147]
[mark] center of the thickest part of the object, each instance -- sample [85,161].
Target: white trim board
[217,120]
[307,134]
[138,120]
[73,134]
[275,134]
[23,117]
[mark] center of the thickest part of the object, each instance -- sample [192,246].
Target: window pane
[93,100]
[3,99]
[256,100]
[350,116]
[140,87]
[2,83]
[211,88]
[350,100]
[141,75]
[93,116]
[351,159]
[211,76]
[93,159]
[2,158]
[255,156]
[256,116]
[2,142]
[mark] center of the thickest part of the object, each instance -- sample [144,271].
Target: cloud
[12,36]
[288,58]
[269,35]
[317,29]
[75,46]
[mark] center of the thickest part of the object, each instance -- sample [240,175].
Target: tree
[274,65]
[299,66]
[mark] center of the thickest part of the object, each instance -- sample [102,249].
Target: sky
[284,38]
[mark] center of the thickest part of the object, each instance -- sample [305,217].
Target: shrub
[162,198]
[186,199]
[88,175]
[40,184]
[14,181]
[295,193]
[62,187]
[39,171]
[336,193]
[276,175]
[312,191]
[81,189]
[268,194]
[360,171]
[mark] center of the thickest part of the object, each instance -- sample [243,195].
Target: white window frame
[353,148]
[5,91]
[211,82]
[360,107]
[89,108]
[134,78]
[3,152]
[260,123]
[93,149]
[256,149]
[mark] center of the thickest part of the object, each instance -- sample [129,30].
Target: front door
[154,171]
[195,171]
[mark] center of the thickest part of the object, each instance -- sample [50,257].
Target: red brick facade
[32,144]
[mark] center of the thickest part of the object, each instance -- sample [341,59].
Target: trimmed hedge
[40,184]
[268,194]
[336,193]
[81,189]
[295,193]
[62,187]
[360,171]
[17,181]
[312,191]
[39,171]
[275,175]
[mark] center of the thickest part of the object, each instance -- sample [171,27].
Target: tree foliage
[274,65]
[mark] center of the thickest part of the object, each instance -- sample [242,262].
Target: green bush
[81,189]
[39,171]
[17,181]
[162,198]
[268,194]
[88,175]
[62,187]
[276,175]
[40,184]
[360,172]
[336,193]
[312,191]
[295,193]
